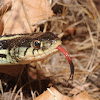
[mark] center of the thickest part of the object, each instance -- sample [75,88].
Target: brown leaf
[15,20]
[83,96]
[58,96]
[1,26]
[55,96]
[5,8]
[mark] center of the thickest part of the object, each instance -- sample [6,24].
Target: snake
[28,48]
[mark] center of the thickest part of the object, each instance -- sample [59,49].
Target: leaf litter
[77,24]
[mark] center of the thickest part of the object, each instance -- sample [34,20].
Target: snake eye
[37,44]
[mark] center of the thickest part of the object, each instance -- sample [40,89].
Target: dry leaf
[49,96]
[1,26]
[53,94]
[5,8]
[83,96]
[35,11]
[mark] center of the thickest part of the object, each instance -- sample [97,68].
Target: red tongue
[69,60]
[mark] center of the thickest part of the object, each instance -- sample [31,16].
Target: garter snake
[27,48]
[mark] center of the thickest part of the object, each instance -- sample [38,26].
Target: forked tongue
[69,60]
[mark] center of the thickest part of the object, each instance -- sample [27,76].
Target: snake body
[26,48]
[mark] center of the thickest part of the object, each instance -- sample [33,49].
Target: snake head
[45,45]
